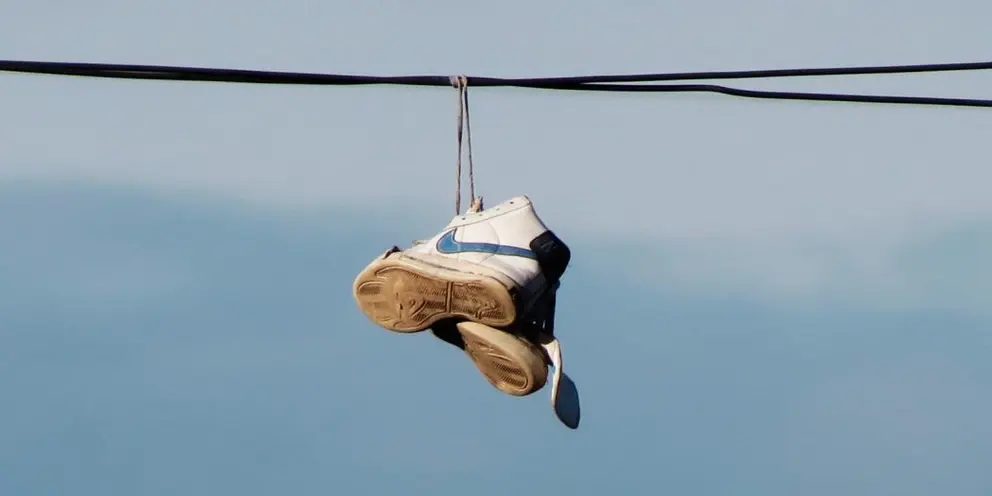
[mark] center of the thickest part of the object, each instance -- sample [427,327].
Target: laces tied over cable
[464,124]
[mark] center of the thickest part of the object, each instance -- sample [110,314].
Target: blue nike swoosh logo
[448,245]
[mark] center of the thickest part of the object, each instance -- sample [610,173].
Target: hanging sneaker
[509,362]
[516,361]
[487,267]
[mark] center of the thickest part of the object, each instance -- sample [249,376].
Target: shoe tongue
[564,394]
[566,403]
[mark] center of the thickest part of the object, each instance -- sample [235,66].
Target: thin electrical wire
[774,73]
[601,83]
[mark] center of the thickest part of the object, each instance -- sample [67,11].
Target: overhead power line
[614,83]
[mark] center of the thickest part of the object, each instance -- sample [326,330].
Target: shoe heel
[553,255]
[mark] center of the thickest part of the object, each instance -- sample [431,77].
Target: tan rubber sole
[406,295]
[509,363]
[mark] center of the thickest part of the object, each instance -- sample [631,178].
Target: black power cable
[775,73]
[573,83]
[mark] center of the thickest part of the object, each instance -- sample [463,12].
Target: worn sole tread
[506,361]
[403,296]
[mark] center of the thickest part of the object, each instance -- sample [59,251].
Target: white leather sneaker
[487,267]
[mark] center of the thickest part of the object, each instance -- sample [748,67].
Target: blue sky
[766,297]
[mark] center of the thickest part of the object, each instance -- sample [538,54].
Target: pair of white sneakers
[487,284]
